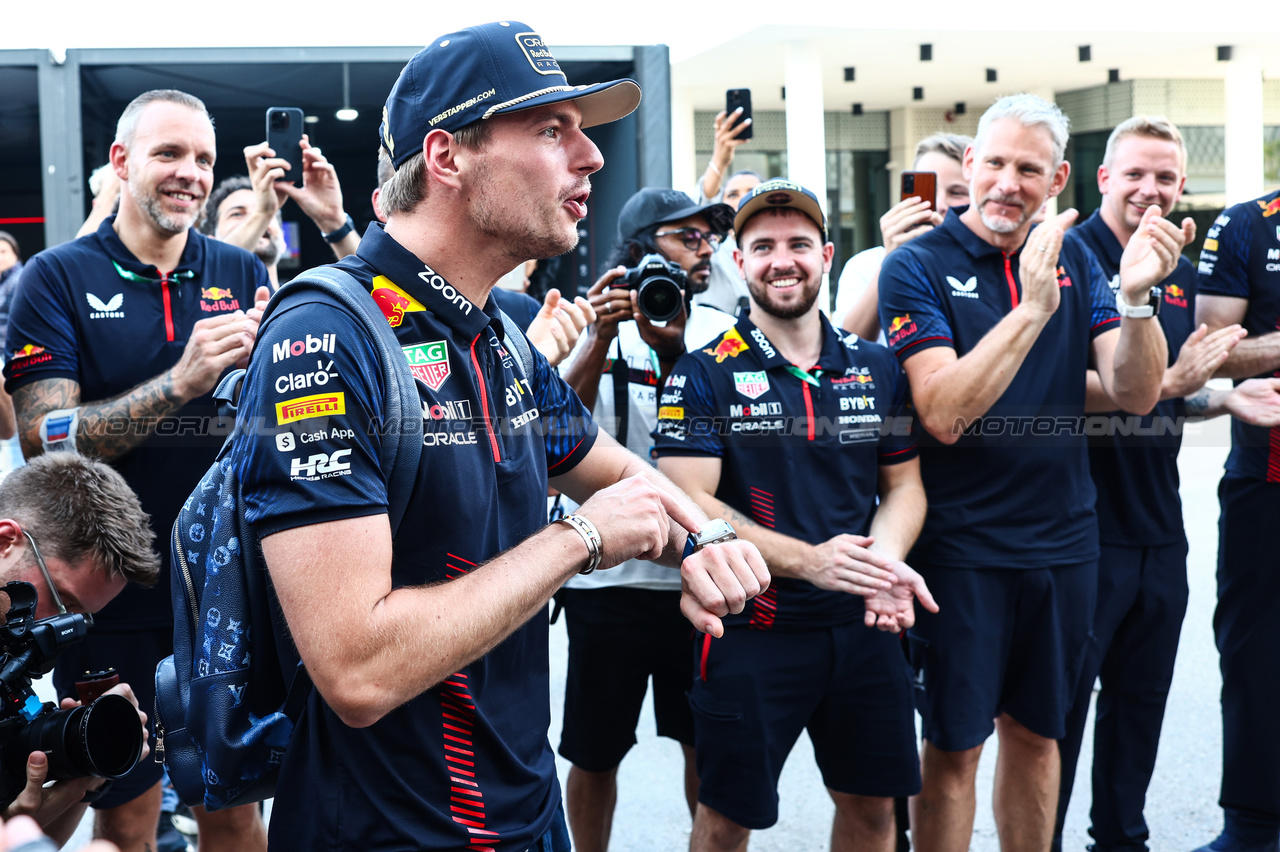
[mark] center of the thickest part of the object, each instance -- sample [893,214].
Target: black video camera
[660,287]
[102,739]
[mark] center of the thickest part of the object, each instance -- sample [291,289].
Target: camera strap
[621,372]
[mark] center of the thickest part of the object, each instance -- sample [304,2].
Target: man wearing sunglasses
[74,530]
[624,624]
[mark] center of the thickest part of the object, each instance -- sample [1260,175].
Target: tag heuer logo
[429,362]
[751,385]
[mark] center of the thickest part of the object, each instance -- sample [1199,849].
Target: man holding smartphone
[913,216]
[116,342]
[245,211]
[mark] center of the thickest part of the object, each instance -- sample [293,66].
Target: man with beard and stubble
[997,325]
[427,727]
[116,342]
[624,625]
[796,434]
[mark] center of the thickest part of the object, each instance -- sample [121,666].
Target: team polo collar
[769,357]
[130,268]
[1102,237]
[975,245]
[420,283]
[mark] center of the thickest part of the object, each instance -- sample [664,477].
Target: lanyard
[807,378]
[133,276]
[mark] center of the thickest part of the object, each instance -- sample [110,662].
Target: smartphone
[735,98]
[284,132]
[91,685]
[920,185]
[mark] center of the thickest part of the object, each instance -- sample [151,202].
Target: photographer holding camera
[624,624]
[74,530]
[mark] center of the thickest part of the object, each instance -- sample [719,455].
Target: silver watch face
[714,531]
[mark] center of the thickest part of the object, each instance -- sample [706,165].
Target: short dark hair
[6,237]
[128,122]
[407,186]
[78,507]
[235,183]
[629,251]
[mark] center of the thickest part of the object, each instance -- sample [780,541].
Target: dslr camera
[101,738]
[660,287]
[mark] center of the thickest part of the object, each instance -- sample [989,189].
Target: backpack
[229,697]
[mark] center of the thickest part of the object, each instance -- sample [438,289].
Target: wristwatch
[1150,309]
[335,236]
[712,532]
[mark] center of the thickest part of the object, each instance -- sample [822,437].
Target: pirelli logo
[307,407]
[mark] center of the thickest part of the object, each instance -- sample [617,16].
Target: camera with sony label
[661,287]
[100,738]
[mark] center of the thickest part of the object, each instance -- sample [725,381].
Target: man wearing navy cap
[624,627]
[792,432]
[427,646]
[996,326]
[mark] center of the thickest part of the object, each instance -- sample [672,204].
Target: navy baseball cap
[478,72]
[652,206]
[780,193]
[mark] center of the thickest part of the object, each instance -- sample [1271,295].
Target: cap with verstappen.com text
[480,72]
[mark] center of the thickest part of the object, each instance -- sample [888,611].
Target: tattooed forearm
[1198,403]
[736,518]
[108,429]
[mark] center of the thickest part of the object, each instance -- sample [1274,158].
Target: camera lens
[659,298]
[102,739]
[280,121]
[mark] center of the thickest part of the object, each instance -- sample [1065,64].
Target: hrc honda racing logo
[320,466]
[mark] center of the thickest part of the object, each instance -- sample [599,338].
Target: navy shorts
[134,656]
[1003,641]
[619,638]
[754,691]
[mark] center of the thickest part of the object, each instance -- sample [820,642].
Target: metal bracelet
[591,536]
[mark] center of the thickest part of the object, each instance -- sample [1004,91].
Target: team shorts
[754,691]
[619,638]
[134,656]
[1003,641]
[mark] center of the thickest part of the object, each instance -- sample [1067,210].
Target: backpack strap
[402,407]
[513,335]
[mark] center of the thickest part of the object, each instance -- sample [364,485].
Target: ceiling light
[346,113]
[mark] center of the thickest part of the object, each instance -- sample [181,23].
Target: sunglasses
[44,569]
[692,238]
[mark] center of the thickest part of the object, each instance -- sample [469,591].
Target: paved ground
[1181,807]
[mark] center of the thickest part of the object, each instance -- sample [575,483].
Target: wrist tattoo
[1198,403]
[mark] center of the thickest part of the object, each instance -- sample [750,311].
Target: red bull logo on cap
[728,346]
[393,302]
[539,56]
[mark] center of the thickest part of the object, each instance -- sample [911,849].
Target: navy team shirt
[1241,258]
[91,312]
[800,456]
[467,764]
[1135,465]
[1014,491]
